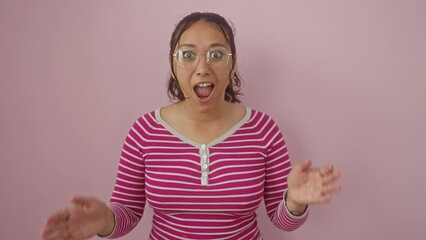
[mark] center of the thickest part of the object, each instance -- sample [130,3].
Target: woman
[203,163]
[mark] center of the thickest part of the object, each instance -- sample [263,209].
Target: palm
[307,185]
[85,220]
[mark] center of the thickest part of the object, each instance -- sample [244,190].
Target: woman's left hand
[308,185]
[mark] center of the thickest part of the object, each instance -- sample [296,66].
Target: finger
[55,231]
[56,235]
[51,235]
[327,169]
[83,201]
[58,217]
[87,204]
[328,192]
[303,166]
[80,200]
[48,234]
[330,177]
[331,188]
[324,198]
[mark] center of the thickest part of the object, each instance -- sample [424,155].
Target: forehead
[203,34]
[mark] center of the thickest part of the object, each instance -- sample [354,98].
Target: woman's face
[203,85]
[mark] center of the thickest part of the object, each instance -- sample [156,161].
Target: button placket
[204,155]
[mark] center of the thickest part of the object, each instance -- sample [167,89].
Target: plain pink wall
[345,80]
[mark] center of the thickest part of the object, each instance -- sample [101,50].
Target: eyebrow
[192,45]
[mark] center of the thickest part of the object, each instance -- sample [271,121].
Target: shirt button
[204,174]
[203,146]
[204,156]
[205,166]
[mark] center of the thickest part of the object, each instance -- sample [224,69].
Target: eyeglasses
[188,57]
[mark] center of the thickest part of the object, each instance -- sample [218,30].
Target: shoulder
[148,116]
[147,119]
[257,115]
[261,123]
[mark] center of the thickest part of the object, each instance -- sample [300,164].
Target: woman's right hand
[87,217]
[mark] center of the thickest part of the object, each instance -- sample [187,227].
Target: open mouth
[204,90]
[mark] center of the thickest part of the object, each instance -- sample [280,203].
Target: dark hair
[233,89]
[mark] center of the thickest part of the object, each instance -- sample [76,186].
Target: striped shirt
[203,191]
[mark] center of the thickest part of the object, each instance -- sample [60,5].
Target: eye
[216,54]
[188,55]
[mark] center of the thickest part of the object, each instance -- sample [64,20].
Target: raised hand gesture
[86,217]
[308,185]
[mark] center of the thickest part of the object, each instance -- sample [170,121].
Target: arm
[128,198]
[89,216]
[277,169]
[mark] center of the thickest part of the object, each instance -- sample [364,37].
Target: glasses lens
[188,58]
[218,57]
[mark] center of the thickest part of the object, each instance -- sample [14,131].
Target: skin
[86,217]
[307,185]
[202,121]
[214,117]
[203,35]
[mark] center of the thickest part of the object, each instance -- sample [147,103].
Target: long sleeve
[278,167]
[202,191]
[128,197]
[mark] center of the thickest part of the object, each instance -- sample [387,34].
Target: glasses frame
[198,59]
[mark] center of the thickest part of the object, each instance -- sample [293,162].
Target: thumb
[81,200]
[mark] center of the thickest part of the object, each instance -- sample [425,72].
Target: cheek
[183,78]
[182,75]
[224,76]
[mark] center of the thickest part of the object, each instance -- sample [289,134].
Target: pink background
[345,81]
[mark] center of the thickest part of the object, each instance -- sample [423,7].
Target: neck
[205,115]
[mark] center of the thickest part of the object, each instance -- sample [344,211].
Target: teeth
[204,84]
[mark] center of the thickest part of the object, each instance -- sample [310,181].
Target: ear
[234,66]
[233,72]
[172,71]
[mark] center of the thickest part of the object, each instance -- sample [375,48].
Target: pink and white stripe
[191,200]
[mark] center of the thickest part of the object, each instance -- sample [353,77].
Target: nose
[203,67]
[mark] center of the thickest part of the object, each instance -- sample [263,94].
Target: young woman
[203,163]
